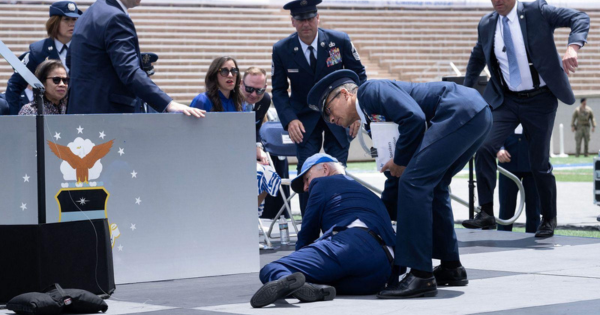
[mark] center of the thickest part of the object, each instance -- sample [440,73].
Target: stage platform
[508,272]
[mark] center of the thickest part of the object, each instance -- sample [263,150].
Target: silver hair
[337,167]
[350,87]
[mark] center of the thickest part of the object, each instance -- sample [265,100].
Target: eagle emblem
[81,156]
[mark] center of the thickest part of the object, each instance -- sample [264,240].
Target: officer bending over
[354,254]
[441,126]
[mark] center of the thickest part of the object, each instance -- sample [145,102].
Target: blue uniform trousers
[313,146]
[352,261]
[508,190]
[537,115]
[425,219]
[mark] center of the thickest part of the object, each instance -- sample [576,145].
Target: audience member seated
[222,83]
[354,254]
[53,75]
[59,27]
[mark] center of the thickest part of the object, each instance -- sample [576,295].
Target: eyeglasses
[250,90]
[56,80]
[326,107]
[225,71]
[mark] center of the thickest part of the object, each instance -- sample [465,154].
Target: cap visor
[298,184]
[73,15]
[304,16]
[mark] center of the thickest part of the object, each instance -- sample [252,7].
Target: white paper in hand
[384,136]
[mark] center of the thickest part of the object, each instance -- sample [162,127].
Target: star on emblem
[79,130]
[82,201]
[25,178]
[57,135]
[121,151]
[120,247]
[138,200]
[23,206]
[134,174]
[132,227]
[102,135]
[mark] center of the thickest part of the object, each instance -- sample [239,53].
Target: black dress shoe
[482,221]
[453,277]
[278,289]
[546,228]
[311,292]
[410,287]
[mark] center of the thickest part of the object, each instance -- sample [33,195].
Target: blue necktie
[513,65]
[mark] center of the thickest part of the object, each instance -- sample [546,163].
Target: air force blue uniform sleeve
[311,222]
[383,98]
[121,43]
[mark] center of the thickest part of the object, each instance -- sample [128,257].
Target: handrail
[454,197]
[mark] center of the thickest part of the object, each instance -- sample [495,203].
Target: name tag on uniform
[292,70]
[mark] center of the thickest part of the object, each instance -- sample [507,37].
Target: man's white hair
[337,167]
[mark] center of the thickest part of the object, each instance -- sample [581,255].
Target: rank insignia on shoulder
[377,118]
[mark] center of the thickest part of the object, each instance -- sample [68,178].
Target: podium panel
[179,193]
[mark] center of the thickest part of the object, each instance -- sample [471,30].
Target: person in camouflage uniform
[580,124]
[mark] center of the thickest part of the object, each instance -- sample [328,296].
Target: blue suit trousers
[352,261]
[425,219]
[537,115]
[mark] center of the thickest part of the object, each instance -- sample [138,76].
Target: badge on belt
[334,57]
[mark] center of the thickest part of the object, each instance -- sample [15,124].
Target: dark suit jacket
[441,107]
[538,21]
[38,53]
[261,108]
[518,147]
[336,201]
[290,62]
[105,64]
[4,110]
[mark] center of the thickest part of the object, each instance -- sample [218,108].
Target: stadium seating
[406,44]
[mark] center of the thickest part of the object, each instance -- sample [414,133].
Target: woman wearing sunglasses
[222,84]
[59,28]
[53,76]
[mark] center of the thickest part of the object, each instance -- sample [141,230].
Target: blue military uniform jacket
[335,202]
[438,107]
[38,53]
[105,64]
[335,52]
[538,20]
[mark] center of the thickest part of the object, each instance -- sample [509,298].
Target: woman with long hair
[222,83]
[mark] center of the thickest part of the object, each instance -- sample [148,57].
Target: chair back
[275,140]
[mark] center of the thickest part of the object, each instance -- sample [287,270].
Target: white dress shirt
[519,44]
[62,55]
[305,48]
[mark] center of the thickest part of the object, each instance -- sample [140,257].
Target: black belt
[528,93]
[379,240]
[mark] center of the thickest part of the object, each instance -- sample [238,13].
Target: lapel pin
[295,48]
[331,44]
[522,17]
[50,48]
[322,44]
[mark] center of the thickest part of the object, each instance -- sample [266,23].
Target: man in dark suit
[516,42]
[304,58]
[105,63]
[354,254]
[441,125]
[514,157]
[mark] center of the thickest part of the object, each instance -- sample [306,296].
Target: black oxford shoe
[410,287]
[546,228]
[311,292]
[452,277]
[482,221]
[278,289]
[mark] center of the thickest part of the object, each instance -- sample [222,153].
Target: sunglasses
[56,80]
[250,90]
[326,106]
[224,71]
